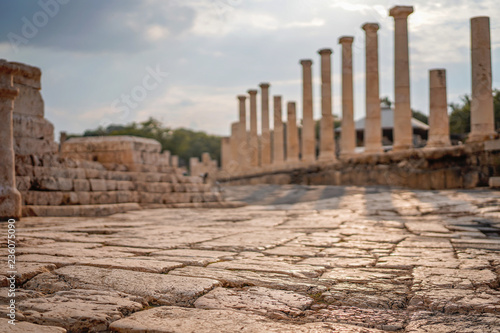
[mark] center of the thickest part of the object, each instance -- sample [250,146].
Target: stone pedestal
[373,128]
[403,132]
[439,131]
[482,112]
[10,198]
[265,143]
[243,149]
[348,134]
[254,139]
[292,134]
[278,138]
[326,135]
[308,137]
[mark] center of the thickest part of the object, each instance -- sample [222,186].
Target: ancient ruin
[439,165]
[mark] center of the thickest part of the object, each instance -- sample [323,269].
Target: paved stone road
[297,259]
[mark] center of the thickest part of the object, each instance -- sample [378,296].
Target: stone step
[494,182]
[57,198]
[79,210]
[175,198]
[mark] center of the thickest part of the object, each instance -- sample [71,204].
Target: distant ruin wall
[455,167]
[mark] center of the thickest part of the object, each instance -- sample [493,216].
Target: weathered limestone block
[37,128]
[97,184]
[25,327]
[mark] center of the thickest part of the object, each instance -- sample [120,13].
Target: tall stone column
[254,139]
[292,134]
[326,134]
[402,131]
[10,198]
[308,137]
[243,149]
[482,113]
[265,143]
[439,131]
[234,142]
[348,135]
[373,127]
[278,140]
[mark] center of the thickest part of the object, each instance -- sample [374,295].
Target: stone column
[254,139]
[193,166]
[225,151]
[439,131]
[326,134]
[243,149]
[175,161]
[482,112]
[278,141]
[234,141]
[308,137]
[265,149]
[292,134]
[402,131]
[348,134]
[373,127]
[10,198]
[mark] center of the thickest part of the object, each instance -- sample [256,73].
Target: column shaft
[10,198]
[482,112]
[265,152]
[308,137]
[292,134]
[278,142]
[254,139]
[402,131]
[439,132]
[234,141]
[225,153]
[243,148]
[327,139]
[373,129]
[348,134]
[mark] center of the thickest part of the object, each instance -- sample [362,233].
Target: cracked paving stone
[183,320]
[271,266]
[297,251]
[25,327]
[133,264]
[249,241]
[387,320]
[156,288]
[367,295]
[429,322]
[339,262]
[276,304]
[406,262]
[28,270]
[425,278]
[79,310]
[239,279]
[366,275]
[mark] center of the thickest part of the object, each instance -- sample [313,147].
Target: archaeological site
[379,224]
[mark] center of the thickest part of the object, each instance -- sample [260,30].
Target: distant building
[420,129]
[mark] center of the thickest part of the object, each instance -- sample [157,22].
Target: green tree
[460,116]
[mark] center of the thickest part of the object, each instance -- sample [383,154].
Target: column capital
[306,62]
[241,98]
[7,89]
[400,11]
[264,85]
[370,27]
[252,92]
[325,51]
[346,40]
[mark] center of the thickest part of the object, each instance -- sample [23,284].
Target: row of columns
[482,124]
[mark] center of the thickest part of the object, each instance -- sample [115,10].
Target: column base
[10,205]
[437,144]
[480,137]
[373,150]
[327,157]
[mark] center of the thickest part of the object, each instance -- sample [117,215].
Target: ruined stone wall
[92,176]
[454,167]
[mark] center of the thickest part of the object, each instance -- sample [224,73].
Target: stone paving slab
[305,259]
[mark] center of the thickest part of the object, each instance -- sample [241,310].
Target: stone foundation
[465,166]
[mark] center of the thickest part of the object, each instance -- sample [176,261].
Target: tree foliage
[182,142]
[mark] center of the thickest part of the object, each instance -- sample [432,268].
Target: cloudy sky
[184,61]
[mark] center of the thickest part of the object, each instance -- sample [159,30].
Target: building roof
[387,121]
